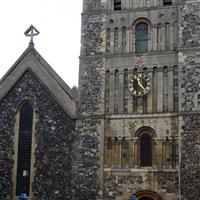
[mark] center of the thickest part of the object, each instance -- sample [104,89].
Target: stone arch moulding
[145,129]
[148,194]
[21,103]
[141,20]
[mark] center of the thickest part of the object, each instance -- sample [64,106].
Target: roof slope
[32,60]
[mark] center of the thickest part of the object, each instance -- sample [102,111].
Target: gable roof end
[32,60]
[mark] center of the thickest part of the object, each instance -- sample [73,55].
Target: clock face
[139,84]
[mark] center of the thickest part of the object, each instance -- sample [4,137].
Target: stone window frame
[134,25]
[16,143]
[141,131]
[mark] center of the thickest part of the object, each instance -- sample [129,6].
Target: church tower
[133,132]
[139,96]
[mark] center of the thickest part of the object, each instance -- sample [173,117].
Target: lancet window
[24,149]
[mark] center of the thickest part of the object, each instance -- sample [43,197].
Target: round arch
[141,20]
[145,129]
[147,195]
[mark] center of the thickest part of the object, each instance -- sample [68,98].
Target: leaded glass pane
[24,149]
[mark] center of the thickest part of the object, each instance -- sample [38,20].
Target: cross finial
[31,32]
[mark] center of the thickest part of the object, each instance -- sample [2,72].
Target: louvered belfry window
[141,37]
[24,149]
[145,150]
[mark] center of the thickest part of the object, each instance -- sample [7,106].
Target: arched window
[145,150]
[141,38]
[24,149]
[117,4]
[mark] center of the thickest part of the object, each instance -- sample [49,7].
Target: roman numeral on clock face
[139,84]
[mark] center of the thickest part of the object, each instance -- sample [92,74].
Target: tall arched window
[141,38]
[24,149]
[145,150]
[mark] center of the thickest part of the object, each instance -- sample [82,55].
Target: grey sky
[59,23]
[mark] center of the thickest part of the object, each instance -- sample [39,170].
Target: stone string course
[54,138]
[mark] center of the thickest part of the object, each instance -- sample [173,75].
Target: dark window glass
[117,4]
[141,37]
[109,145]
[24,149]
[145,150]
[167,2]
[198,99]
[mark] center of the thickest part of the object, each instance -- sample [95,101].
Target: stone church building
[132,128]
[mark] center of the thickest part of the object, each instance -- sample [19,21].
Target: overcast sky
[59,23]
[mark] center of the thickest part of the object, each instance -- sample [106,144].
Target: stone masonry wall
[121,185]
[190,158]
[90,81]
[86,163]
[92,5]
[92,40]
[87,148]
[190,24]
[54,137]
[190,82]
[189,69]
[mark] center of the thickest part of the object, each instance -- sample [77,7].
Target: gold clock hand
[140,84]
